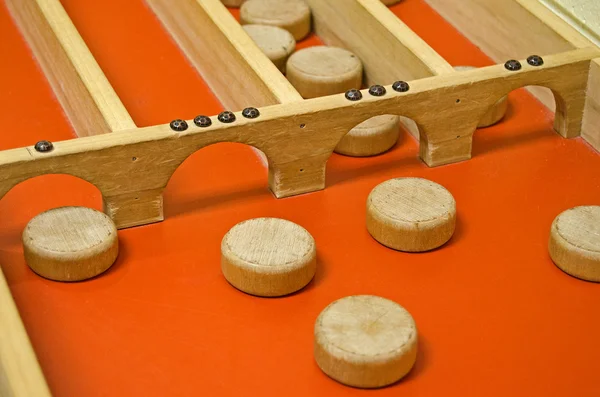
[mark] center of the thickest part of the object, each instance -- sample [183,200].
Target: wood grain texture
[268,257]
[232,53]
[291,15]
[574,243]
[497,111]
[590,130]
[276,43]
[70,243]
[79,84]
[371,137]
[411,214]
[365,341]
[322,70]
[389,50]
[20,372]
[297,138]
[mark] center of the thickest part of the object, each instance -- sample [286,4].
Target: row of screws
[205,121]
[514,65]
[377,90]
[252,113]
[402,86]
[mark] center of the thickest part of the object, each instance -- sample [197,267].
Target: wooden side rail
[20,372]
[224,54]
[132,168]
[388,48]
[81,87]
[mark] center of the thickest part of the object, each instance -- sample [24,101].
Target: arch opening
[376,144]
[216,174]
[35,195]
[524,117]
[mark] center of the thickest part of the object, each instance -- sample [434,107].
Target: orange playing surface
[495,316]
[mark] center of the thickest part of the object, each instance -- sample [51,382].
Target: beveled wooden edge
[132,168]
[81,87]
[20,372]
[219,48]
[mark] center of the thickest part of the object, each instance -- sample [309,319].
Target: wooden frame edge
[20,372]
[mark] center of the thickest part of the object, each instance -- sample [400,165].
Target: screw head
[178,125]
[226,117]
[377,90]
[535,60]
[202,121]
[250,113]
[44,146]
[512,65]
[353,95]
[400,86]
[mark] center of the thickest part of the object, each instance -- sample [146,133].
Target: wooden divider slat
[81,87]
[237,71]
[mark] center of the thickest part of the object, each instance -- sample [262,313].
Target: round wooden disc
[276,43]
[268,257]
[574,244]
[233,3]
[291,15]
[320,71]
[390,2]
[496,113]
[411,214]
[70,243]
[371,137]
[365,341]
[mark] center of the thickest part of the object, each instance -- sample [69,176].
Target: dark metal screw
[178,125]
[377,90]
[226,117]
[44,146]
[202,121]
[353,95]
[512,65]
[250,113]
[535,60]
[400,86]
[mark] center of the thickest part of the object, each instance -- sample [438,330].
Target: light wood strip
[81,87]
[132,168]
[20,372]
[389,50]
[224,54]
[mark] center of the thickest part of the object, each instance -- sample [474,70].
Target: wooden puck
[320,71]
[496,113]
[276,43]
[365,341]
[70,243]
[268,257]
[574,244]
[291,15]
[411,214]
[371,137]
